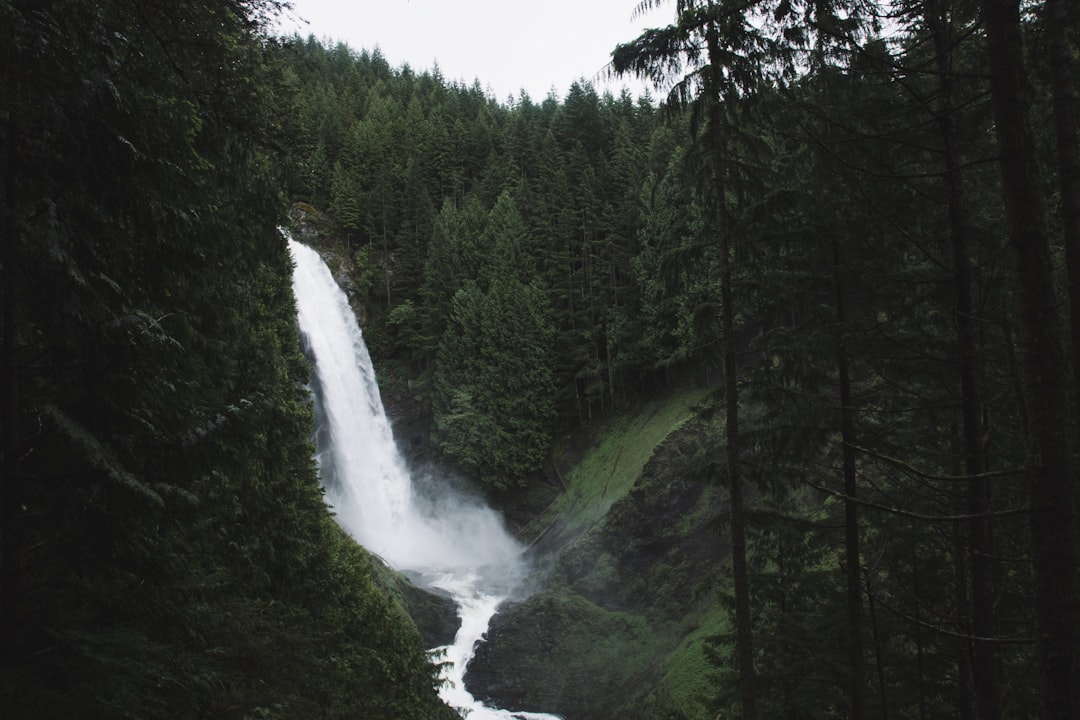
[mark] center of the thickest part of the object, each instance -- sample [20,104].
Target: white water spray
[458,546]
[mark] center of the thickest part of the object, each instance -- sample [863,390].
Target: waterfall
[452,543]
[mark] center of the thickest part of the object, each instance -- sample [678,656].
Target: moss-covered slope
[623,625]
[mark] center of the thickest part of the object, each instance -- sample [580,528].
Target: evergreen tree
[166,548]
[493,384]
[1051,475]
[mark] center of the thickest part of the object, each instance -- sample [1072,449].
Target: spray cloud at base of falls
[452,542]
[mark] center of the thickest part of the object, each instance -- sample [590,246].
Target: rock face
[433,611]
[435,614]
[560,654]
[622,603]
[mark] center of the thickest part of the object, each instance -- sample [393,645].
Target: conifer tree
[1051,474]
[166,549]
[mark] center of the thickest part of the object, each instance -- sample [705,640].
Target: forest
[852,227]
[166,549]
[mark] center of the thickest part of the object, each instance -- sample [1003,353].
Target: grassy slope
[632,602]
[609,470]
[689,681]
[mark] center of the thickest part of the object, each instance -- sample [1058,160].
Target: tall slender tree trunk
[781,571]
[852,560]
[985,666]
[1068,157]
[920,651]
[879,655]
[964,703]
[10,487]
[1043,371]
[744,645]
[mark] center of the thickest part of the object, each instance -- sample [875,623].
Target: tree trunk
[11,498]
[985,667]
[920,652]
[852,561]
[781,569]
[744,646]
[1043,371]
[1068,157]
[964,704]
[879,655]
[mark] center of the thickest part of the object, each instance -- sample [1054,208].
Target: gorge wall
[632,602]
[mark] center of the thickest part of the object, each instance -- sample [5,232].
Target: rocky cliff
[632,602]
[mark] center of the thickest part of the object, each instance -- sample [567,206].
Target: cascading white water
[458,546]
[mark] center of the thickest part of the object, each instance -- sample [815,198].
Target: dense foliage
[860,219]
[481,228]
[860,231]
[166,549]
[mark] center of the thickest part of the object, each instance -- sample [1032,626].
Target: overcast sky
[509,45]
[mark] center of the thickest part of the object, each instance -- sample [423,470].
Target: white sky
[508,45]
